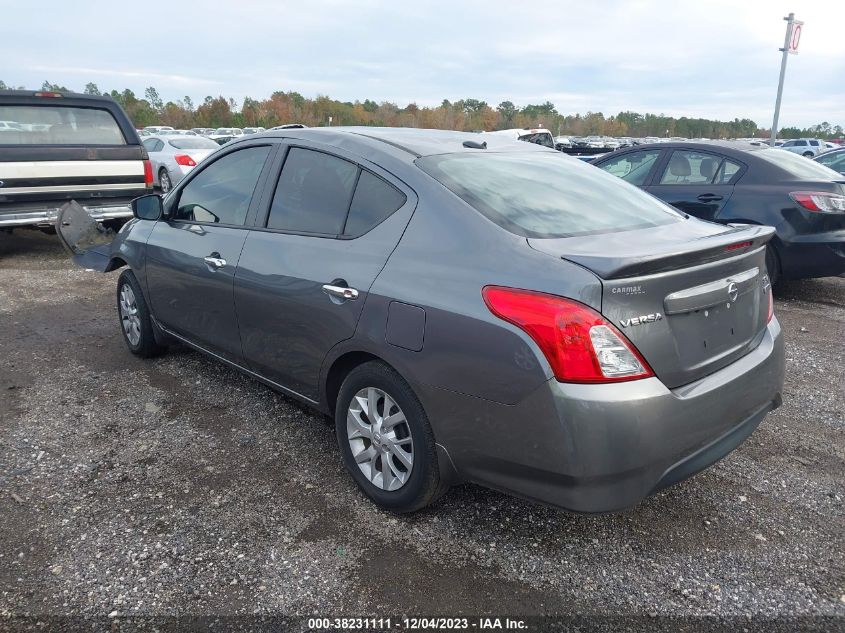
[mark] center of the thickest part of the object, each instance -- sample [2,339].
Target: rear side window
[633,167]
[374,200]
[58,125]
[727,170]
[222,191]
[546,194]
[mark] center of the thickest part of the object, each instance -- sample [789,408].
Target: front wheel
[808,154]
[385,439]
[135,322]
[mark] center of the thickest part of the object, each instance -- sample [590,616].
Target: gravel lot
[178,486]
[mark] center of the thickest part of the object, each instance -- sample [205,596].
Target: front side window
[633,167]
[690,168]
[58,125]
[222,191]
[546,194]
[834,161]
[313,193]
[150,144]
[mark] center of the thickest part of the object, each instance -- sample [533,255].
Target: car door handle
[709,197]
[214,260]
[341,292]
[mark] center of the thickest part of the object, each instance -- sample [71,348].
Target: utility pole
[790,45]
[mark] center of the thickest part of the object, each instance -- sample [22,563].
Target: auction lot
[178,486]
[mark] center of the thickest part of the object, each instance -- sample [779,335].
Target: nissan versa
[466,310]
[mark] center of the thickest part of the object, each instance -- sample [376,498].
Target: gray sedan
[174,157]
[488,311]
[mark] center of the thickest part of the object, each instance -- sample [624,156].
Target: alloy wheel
[129,315]
[164,180]
[380,438]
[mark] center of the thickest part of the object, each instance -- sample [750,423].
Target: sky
[705,58]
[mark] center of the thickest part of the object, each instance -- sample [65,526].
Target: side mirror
[147,207]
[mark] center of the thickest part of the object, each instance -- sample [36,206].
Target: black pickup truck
[58,147]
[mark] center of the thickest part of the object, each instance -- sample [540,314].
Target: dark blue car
[732,182]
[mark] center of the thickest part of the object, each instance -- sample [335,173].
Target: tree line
[464,114]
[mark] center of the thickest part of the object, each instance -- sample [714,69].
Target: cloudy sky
[710,58]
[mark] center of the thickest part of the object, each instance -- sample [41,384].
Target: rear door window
[690,168]
[313,193]
[58,125]
[727,170]
[373,202]
[222,191]
[634,167]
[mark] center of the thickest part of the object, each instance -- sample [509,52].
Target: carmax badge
[642,319]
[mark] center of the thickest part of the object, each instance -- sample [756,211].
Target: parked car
[59,146]
[730,182]
[144,132]
[203,131]
[156,129]
[834,159]
[289,126]
[808,147]
[562,142]
[223,135]
[173,157]
[508,316]
[254,130]
[177,133]
[538,136]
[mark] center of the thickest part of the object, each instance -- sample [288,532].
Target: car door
[192,255]
[306,269]
[635,167]
[697,182]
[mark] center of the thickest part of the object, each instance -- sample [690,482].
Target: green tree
[154,99]
[91,89]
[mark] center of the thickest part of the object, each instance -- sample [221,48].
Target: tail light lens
[820,201]
[185,160]
[148,174]
[579,343]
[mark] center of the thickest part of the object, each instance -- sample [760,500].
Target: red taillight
[771,312]
[738,246]
[185,160]
[580,344]
[148,174]
[52,95]
[819,201]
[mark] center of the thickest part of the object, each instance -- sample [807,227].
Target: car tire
[164,180]
[772,264]
[135,322]
[402,492]
[808,154]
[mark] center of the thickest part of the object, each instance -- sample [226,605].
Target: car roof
[726,147]
[412,142]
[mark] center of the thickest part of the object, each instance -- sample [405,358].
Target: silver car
[466,308]
[173,157]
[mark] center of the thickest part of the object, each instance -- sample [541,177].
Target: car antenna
[475,144]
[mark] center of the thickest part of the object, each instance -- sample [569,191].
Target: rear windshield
[193,142]
[58,125]
[798,166]
[547,194]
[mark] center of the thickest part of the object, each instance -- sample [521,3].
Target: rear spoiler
[737,240]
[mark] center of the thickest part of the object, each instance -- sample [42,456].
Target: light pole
[790,45]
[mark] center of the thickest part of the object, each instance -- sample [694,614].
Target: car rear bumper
[816,255]
[47,216]
[600,448]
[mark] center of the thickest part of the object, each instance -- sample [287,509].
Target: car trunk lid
[692,296]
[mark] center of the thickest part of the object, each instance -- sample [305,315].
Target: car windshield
[192,142]
[798,166]
[546,194]
[58,125]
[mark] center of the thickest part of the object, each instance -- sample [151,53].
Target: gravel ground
[179,487]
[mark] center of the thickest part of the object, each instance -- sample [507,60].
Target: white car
[157,129]
[173,156]
[540,136]
[808,147]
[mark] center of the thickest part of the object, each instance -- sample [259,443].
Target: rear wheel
[164,180]
[385,439]
[135,322]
